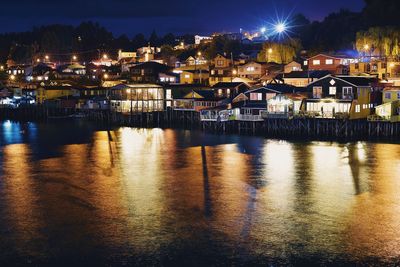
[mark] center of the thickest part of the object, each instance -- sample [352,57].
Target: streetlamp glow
[270,51]
[366,47]
[263,30]
[280,27]
[74,58]
[105,76]
[105,56]
[12,77]
[47,57]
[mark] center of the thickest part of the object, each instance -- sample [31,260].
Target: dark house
[229,89]
[148,72]
[348,96]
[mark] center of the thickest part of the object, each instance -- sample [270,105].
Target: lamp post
[199,55]
[234,72]
[269,52]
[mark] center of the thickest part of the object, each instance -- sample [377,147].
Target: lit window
[332,90]
[316,62]
[347,92]
[256,96]
[305,63]
[358,109]
[169,94]
[329,62]
[398,95]
[187,76]
[317,92]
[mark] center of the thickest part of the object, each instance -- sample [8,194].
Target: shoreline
[313,129]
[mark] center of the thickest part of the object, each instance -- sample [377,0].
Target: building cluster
[227,87]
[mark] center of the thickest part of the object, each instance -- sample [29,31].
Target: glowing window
[316,62]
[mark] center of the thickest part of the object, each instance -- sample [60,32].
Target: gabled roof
[313,74]
[283,88]
[332,56]
[200,94]
[356,81]
[229,84]
[262,90]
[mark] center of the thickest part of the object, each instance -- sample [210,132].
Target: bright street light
[366,47]
[280,27]
[74,58]
[263,30]
[105,56]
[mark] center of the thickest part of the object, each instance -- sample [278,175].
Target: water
[73,194]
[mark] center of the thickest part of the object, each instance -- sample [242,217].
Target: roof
[332,56]
[228,84]
[304,74]
[356,81]
[262,89]
[207,94]
[283,88]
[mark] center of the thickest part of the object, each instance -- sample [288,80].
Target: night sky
[176,16]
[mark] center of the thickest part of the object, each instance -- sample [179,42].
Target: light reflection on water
[71,193]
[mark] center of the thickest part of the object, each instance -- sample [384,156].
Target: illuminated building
[133,98]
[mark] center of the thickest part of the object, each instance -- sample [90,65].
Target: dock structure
[313,128]
[308,128]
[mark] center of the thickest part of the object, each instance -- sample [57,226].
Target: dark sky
[177,16]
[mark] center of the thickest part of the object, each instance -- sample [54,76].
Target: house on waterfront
[390,108]
[389,111]
[148,72]
[137,98]
[387,70]
[51,91]
[292,66]
[301,78]
[335,64]
[194,76]
[179,91]
[229,89]
[340,97]
[221,70]
[252,70]
[284,106]
[250,106]
[197,100]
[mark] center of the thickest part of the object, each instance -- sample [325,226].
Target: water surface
[71,193]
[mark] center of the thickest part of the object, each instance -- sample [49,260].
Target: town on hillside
[254,76]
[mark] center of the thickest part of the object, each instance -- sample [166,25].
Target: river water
[74,194]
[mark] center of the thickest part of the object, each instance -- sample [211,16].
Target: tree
[280,52]
[169,39]
[153,40]
[379,41]
[139,41]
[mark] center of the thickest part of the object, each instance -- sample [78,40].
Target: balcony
[243,117]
